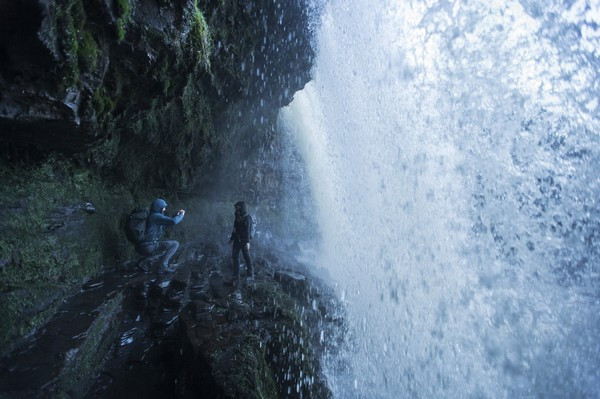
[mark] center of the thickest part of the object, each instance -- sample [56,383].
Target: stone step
[62,356]
[145,349]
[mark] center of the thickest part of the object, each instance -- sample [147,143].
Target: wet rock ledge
[186,334]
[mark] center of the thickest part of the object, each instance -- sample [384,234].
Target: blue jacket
[156,221]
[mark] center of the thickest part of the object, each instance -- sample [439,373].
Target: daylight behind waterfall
[452,149]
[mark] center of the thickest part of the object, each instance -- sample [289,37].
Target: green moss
[176,134]
[103,102]
[189,98]
[200,37]
[164,73]
[76,44]
[22,313]
[69,43]
[288,354]
[37,255]
[88,52]
[124,9]
[104,154]
[105,99]
[49,242]
[98,101]
[248,374]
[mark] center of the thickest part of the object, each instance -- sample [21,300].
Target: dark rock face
[148,89]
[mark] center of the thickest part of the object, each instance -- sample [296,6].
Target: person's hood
[158,205]
[242,206]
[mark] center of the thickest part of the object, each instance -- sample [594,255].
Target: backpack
[135,225]
[252,223]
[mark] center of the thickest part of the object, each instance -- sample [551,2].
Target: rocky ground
[185,334]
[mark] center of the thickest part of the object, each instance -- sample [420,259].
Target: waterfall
[452,149]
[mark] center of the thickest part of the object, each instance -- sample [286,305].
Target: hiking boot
[173,265]
[166,269]
[143,266]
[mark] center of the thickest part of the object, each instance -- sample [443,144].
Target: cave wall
[107,104]
[151,90]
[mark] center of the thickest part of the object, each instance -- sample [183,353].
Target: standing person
[240,238]
[152,245]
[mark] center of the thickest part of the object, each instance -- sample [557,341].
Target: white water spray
[453,152]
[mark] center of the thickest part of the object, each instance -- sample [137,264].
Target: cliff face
[106,104]
[151,90]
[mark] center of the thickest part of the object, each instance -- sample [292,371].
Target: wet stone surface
[190,333]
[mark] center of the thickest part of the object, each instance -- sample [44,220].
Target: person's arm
[247,227]
[232,233]
[165,220]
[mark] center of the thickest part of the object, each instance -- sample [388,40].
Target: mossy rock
[263,350]
[63,226]
[242,370]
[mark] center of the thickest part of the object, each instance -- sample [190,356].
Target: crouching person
[151,247]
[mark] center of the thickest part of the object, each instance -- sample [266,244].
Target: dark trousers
[152,251]
[235,253]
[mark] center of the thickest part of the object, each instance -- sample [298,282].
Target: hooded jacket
[241,226]
[156,221]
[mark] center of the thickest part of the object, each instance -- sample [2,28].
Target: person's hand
[248,245]
[181,212]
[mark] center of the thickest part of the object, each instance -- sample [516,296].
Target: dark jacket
[241,225]
[156,222]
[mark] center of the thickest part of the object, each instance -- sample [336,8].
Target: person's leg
[248,259]
[170,247]
[148,255]
[235,255]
